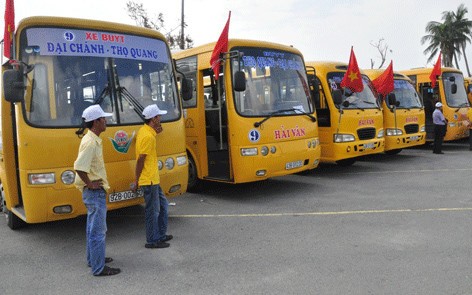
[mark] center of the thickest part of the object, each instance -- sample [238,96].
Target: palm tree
[439,38]
[460,28]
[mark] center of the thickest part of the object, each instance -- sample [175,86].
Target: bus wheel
[13,221]
[393,152]
[346,162]
[194,184]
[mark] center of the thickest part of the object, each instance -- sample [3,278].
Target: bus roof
[374,73]
[324,67]
[208,48]
[423,71]
[89,24]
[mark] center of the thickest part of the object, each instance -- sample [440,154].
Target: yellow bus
[60,66]
[350,124]
[253,122]
[450,92]
[468,88]
[403,114]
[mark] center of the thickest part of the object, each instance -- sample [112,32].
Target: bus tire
[393,152]
[13,221]
[346,162]
[194,184]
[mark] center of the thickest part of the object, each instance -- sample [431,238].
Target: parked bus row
[267,114]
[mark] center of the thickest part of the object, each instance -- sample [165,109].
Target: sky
[320,29]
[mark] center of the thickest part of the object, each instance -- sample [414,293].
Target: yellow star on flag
[353,76]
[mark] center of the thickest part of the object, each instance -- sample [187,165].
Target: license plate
[123,196]
[415,137]
[293,165]
[370,145]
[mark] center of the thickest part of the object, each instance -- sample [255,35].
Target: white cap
[94,112]
[438,105]
[151,111]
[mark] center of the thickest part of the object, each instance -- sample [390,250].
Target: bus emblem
[254,135]
[121,143]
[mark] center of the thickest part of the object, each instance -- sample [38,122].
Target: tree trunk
[455,60]
[466,62]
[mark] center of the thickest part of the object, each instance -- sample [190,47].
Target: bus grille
[411,128]
[366,133]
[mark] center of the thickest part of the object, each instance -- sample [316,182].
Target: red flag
[436,72]
[384,83]
[220,46]
[9,27]
[353,79]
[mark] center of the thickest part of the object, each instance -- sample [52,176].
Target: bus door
[216,122]
[430,97]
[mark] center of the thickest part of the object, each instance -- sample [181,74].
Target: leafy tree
[450,37]
[138,13]
[461,29]
[439,40]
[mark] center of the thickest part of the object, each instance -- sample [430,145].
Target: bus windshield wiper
[103,94]
[137,107]
[257,124]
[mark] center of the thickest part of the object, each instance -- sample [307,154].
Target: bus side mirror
[13,86]
[187,93]
[337,97]
[239,81]
[392,100]
[454,88]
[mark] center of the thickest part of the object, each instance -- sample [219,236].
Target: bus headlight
[41,178]
[380,134]
[248,151]
[68,177]
[339,137]
[181,160]
[264,151]
[452,124]
[393,132]
[423,129]
[170,163]
[159,164]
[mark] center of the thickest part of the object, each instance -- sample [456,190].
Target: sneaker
[109,271]
[167,238]
[157,245]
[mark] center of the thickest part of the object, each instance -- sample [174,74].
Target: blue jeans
[95,201]
[155,213]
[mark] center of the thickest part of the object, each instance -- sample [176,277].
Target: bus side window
[322,108]
[188,67]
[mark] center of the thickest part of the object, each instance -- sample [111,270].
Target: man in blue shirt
[439,122]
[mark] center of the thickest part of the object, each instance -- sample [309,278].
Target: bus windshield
[458,99]
[73,69]
[357,100]
[406,95]
[276,81]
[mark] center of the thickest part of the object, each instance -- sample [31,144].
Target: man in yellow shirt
[147,177]
[92,182]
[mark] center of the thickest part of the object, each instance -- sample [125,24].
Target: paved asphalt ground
[386,225]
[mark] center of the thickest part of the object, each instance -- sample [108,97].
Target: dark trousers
[439,132]
[470,138]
